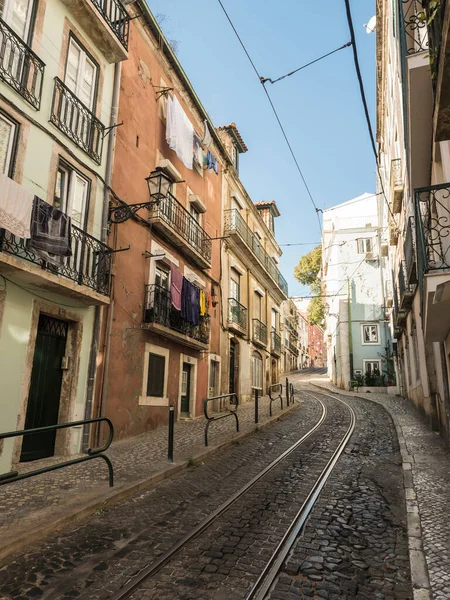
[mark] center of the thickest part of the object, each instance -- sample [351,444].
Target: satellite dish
[370,26]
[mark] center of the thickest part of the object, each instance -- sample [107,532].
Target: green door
[186,389]
[45,387]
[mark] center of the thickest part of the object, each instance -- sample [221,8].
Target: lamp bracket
[108,130]
[123,212]
[161,91]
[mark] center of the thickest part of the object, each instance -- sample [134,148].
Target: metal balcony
[162,318]
[116,17]
[20,67]
[397,186]
[415,27]
[433,227]
[89,265]
[409,253]
[293,348]
[237,316]
[275,343]
[236,226]
[259,333]
[406,289]
[76,121]
[173,222]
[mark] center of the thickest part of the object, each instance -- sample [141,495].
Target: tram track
[270,571]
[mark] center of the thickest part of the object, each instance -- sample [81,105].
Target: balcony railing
[406,289]
[116,16]
[76,121]
[410,253]
[259,332]
[90,263]
[234,223]
[415,26]
[20,67]
[433,227]
[179,220]
[275,342]
[237,314]
[158,309]
[293,348]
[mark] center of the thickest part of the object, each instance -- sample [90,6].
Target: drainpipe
[104,235]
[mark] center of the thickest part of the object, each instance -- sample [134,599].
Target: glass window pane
[6,144]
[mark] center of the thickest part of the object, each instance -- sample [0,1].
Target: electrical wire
[264,79]
[275,113]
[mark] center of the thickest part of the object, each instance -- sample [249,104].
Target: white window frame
[257,377]
[7,17]
[145,400]
[84,57]
[371,361]
[364,245]
[11,143]
[68,194]
[363,341]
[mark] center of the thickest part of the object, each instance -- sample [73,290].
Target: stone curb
[419,571]
[123,492]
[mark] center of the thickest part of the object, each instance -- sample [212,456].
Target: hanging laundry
[195,305]
[179,132]
[190,302]
[16,206]
[203,303]
[185,296]
[50,233]
[176,285]
[211,162]
[198,153]
[207,139]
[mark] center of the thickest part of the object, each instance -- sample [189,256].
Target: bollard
[287,391]
[171,428]
[256,406]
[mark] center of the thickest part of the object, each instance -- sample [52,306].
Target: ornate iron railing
[435,19]
[433,227]
[158,309]
[178,218]
[237,313]
[20,67]
[76,121]
[275,342]
[406,289]
[293,348]
[90,263]
[116,16]
[259,332]
[415,26]
[409,252]
[235,223]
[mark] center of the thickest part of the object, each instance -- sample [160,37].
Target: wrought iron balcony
[174,222]
[237,316]
[396,185]
[116,16]
[433,228]
[89,265]
[76,121]
[293,348]
[235,224]
[20,67]
[415,27]
[159,312]
[409,252]
[275,343]
[406,289]
[259,332]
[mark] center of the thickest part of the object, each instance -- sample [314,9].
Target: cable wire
[275,113]
[264,79]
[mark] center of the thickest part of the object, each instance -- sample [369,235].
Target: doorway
[185,408]
[45,387]
[234,367]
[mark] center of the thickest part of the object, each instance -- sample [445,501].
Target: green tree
[308,273]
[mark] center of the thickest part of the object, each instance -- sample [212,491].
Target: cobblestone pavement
[225,560]
[30,502]
[354,544]
[429,462]
[94,559]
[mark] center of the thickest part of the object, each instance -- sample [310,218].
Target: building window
[370,334]
[162,276]
[72,194]
[155,377]
[257,371]
[8,137]
[81,75]
[235,157]
[274,320]
[372,367]
[194,212]
[364,245]
[235,285]
[214,371]
[18,15]
[257,306]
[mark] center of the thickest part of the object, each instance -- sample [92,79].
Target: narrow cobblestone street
[353,545]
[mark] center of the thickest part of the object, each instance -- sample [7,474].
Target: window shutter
[155,379]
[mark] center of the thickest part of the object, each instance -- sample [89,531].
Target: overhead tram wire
[275,113]
[363,98]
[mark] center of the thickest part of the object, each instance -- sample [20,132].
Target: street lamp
[158,186]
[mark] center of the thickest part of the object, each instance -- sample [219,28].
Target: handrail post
[171,431]
[287,391]
[256,405]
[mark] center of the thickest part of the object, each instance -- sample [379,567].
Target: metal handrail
[279,397]
[229,413]
[95,453]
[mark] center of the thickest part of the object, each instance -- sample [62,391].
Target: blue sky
[320,107]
